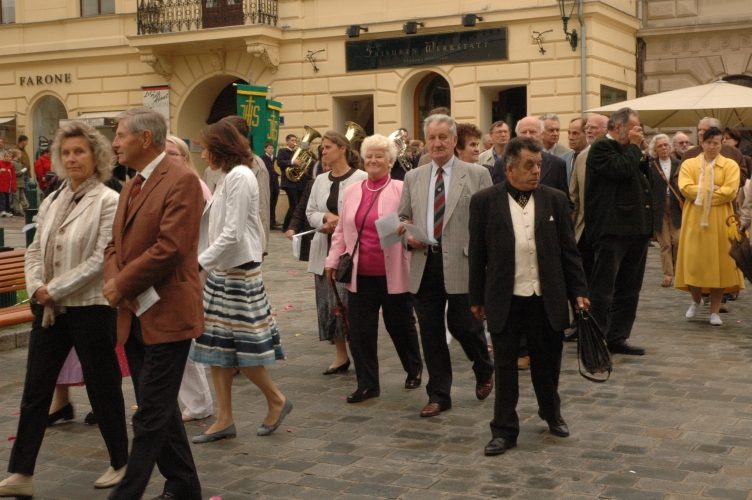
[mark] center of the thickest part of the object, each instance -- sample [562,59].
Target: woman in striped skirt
[238,331]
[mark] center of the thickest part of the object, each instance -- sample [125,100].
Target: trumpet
[402,159]
[304,154]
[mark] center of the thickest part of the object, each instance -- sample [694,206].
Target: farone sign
[48,79]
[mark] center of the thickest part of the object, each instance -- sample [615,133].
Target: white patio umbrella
[730,103]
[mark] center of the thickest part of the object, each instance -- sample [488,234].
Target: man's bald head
[596,127]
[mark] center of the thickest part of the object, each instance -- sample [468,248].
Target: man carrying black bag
[522,244]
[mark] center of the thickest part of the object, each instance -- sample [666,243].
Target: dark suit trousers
[527,319]
[91,330]
[430,303]
[363,315]
[294,193]
[158,431]
[273,196]
[615,283]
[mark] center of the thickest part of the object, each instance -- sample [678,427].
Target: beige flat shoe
[110,478]
[16,489]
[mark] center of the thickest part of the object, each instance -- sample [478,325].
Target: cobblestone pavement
[676,423]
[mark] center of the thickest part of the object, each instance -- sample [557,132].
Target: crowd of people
[501,244]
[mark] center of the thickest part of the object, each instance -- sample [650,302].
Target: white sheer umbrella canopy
[730,103]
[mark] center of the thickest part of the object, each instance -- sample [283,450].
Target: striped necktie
[136,189]
[439,202]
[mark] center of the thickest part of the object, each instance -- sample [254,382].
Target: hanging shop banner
[421,50]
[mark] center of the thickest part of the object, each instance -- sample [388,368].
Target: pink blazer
[396,258]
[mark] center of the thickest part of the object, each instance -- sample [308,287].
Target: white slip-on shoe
[715,319]
[692,311]
[25,489]
[110,478]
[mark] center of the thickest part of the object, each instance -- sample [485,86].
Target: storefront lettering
[48,79]
[437,48]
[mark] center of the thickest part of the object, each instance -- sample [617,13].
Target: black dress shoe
[65,414]
[338,369]
[558,427]
[499,446]
[167,495]
[413,382]
[362,394]
[623,347]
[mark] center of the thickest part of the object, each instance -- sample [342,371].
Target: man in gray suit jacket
[524,269]
[436,199]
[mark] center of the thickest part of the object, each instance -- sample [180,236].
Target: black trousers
[293,198]
[273,197]
[430,304]
[363,315]
[158,431]
[615,283]
[527,319]
[588,256]
[91,330]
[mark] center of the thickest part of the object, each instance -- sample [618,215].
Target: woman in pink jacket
[380,277]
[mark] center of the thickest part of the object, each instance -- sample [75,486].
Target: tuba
[303,153]
[355,134]
[402,159]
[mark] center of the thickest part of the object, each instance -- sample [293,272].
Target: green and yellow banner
[261,115]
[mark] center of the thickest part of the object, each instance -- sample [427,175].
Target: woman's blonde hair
[100,147]
[185,152]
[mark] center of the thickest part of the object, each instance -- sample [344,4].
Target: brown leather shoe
[431,410]
[523,362]
[483,389]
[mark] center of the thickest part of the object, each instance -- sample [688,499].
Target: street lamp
[572,37]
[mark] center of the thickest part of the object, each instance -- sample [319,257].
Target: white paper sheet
[146,300]
[296,239]
[418,233]
[387,227]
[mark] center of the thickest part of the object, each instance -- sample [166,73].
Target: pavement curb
[14,337]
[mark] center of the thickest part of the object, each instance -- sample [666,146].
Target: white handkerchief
[551,219]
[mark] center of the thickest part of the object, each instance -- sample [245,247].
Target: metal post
[29,214]
[32,194]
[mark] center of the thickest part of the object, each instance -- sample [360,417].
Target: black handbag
[592,351]
[343,273]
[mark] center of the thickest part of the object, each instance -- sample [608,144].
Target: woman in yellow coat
[710,183]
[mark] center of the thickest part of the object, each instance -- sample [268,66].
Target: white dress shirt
[147,171]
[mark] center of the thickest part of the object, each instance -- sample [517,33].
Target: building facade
[683,43]
[68,59]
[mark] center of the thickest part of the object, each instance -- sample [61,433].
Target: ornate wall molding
[266,52]
[158,62]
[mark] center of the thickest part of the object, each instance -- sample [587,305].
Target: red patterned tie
[439,201]
[136,189]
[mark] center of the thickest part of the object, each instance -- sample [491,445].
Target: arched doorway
[208,101]
[46,116]
[432,91]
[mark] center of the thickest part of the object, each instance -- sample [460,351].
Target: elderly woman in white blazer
[322,212]
[238,329]
[64,279]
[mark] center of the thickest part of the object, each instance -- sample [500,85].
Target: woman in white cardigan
[64,279]
[322,213]
[238,327]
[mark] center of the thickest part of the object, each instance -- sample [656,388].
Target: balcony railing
[170,16]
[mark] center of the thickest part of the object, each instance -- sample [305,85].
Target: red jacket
[7,177]
[41,167]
